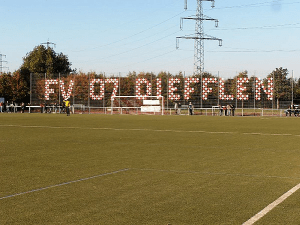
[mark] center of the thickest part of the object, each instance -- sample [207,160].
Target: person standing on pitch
[67,104]
[191,108]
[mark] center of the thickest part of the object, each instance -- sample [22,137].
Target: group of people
[44,108]
[177,107]
[64,107]
[11,107]
[52,108]
[293,109]
[227,110]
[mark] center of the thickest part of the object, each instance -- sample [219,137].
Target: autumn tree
[297,90]
[199,90]
[5,86]
[18,87]
[127,84]
[13,87]
[164,76]
[81,87]
[282,85]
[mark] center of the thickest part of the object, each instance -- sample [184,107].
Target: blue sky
[117,36]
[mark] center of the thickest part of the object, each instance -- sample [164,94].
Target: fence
[167,111]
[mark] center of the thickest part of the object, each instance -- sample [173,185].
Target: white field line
[62,184]
[251,221]
[270,134]
[263,212]
[270,207]
[152,130]
[216,173]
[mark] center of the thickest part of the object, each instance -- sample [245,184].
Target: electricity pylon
[199,35]
[48,44]
[1,61]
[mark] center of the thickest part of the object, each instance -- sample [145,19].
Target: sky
[116,37]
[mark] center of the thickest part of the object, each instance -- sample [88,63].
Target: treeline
[13,87]
[21,85]
[17,88]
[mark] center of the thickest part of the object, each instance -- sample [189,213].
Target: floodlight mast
[199,36]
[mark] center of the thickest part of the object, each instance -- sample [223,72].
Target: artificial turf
[147,169]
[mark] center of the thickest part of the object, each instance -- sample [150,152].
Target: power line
[149,58]
[150,36]
[263,27]
[245,50]
[138,33]
[133,49]
[148,52]
[261,4]
[257,51]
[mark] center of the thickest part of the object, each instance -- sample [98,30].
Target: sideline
[270,207]
[153,130]
[62,184]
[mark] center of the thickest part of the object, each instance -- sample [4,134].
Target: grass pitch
[120,169]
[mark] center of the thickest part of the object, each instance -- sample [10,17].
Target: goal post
[137,105]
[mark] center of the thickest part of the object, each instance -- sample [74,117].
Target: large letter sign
[66,95]
[49,90]
[92,89]
[143,88]
[222,95]
[172,89]
[114,81]
[138,83]
[259,84]
[205,89]
[187,89]
[241,88]
[158,87]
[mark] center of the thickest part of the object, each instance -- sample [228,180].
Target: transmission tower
[199,35]
[1,61]
[49,43]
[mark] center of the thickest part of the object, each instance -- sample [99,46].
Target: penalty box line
[260,214]
[271,206]
[63,184]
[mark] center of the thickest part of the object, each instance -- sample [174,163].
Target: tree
[282,85]
[19,87]
[45,60]
[81,89]
[12,87]
[5,86]
[297,90]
